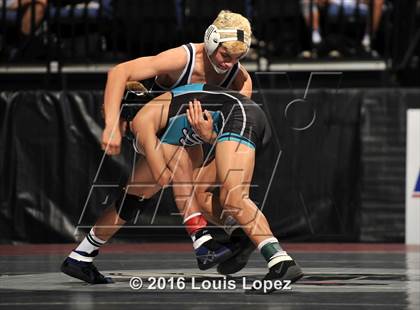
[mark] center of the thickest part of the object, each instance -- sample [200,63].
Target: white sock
[89,244]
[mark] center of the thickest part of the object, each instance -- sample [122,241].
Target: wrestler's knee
[181,171]
[232,199]
[128,206]
[143,190]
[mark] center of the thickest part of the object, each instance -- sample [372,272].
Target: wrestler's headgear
[212,40]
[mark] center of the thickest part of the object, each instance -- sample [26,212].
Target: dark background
[330,183]
[342,179]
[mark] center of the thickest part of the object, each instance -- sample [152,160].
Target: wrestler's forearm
[114,91]
[156,160]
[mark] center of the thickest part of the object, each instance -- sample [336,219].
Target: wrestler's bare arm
[243,83]
[145,126]
[138,69]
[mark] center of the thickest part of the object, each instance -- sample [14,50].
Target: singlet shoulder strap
[185,76]
[230,76]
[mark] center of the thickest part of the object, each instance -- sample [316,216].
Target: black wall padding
[327,182]
[384,151]
[50,154]
[315,194]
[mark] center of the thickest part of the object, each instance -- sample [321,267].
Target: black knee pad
[128,206]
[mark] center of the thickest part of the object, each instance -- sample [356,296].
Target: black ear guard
[240,35]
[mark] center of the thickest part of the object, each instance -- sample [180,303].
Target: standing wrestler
[216,61]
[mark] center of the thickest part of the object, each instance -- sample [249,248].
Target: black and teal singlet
[235,117]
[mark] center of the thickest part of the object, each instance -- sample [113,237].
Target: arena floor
[337,276]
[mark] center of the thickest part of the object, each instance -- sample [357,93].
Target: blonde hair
[229,20]
[135,86]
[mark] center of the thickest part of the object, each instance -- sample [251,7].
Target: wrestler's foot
[285,272]
[212,253]
[85,271]
[239,260]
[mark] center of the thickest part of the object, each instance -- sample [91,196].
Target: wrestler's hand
[202,126]
[111,141]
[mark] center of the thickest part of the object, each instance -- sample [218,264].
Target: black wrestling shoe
[212,253]
[240,258]
[286,272]
[85,271]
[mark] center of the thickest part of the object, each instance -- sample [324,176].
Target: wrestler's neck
[206,66]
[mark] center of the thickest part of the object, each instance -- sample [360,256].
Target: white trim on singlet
[233,76]
[192,63]
[223,123]
[189,55]
[183,71]
[218,93]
